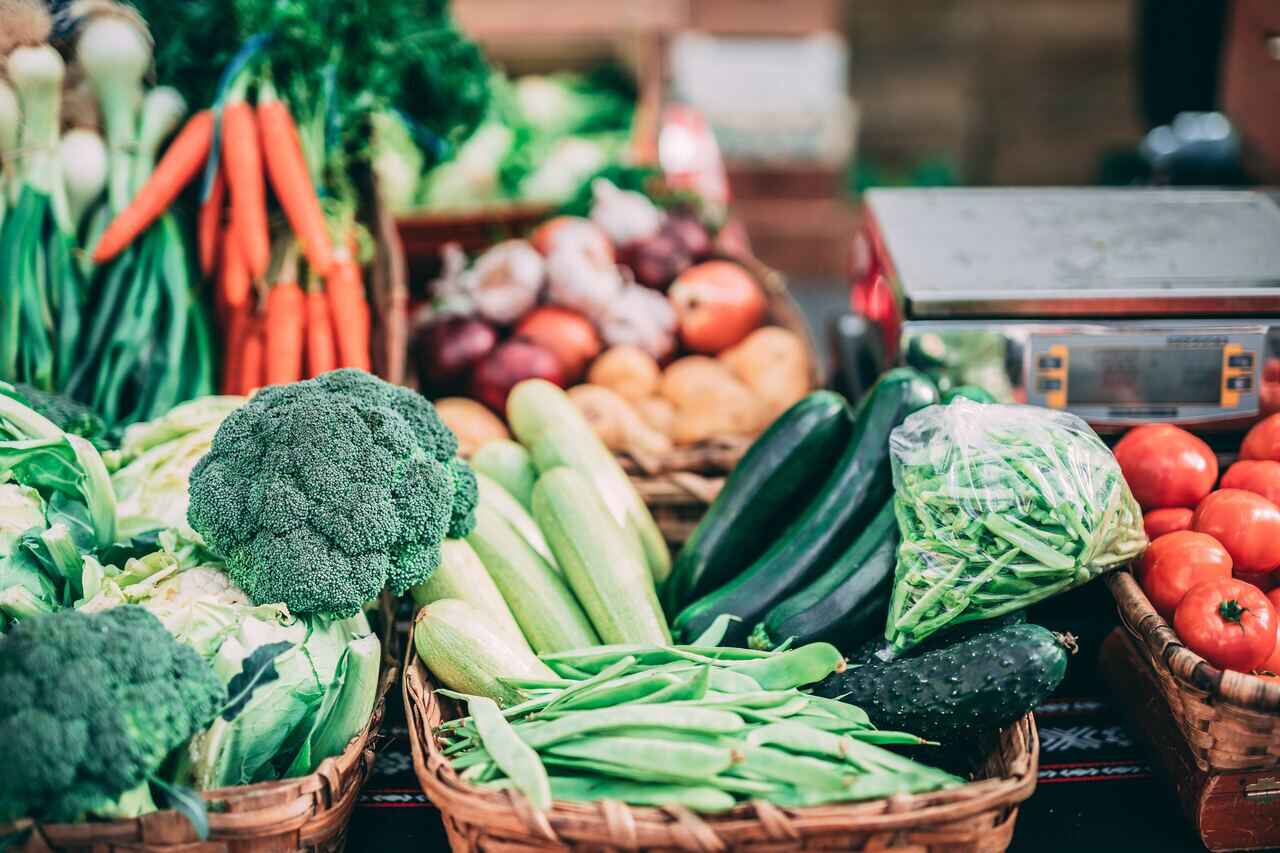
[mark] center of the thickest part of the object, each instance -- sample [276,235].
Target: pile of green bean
[700,726]
[1000,507]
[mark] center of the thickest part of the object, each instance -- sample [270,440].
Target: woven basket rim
[246,810]
[1190,670]
[451,795]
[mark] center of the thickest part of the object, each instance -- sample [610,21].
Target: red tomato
[1166,466]
[1260,476]
[718,304]
[566,334]
[1228,623]
[1272,664]
[1265,581]
[1247,525]
[1176,562]
[1158,522]
[1263,441]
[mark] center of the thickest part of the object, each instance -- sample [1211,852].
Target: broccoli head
[69,415]
[94,703]
[321,493]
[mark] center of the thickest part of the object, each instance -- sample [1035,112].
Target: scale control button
[1050,385]
[1050,362]
[1244,361]
[1239,383]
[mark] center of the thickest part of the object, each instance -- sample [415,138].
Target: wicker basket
[1230,720]
[977,817]
[306,814]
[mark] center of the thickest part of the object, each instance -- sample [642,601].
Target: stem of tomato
[1231,611]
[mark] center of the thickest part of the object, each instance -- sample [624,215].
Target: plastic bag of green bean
[1000,507]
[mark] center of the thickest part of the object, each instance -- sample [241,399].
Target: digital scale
[1123,306]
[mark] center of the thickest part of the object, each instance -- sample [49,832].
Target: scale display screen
[1123,376]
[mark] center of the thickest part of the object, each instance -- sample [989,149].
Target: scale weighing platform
[1123,306]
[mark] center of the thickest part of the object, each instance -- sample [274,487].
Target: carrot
[291,180]
[181,162]
[252,357]
[210,225]
[235,343]
[321,355]
[286,319]
[243,160]
[350,312]
[234,278]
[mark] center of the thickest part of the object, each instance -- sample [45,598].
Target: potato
[710,401]
[616,422]
[657,413]
[772,361]
[628,371]
[471,422]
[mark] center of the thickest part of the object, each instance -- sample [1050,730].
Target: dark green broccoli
[94,703]
[321,493]
[67,414]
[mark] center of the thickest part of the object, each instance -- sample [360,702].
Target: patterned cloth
[1096,790]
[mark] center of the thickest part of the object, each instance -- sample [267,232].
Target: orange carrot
[234,277]
[210,224]
[291,181]
[252,356]
[243,160]
[181,162]
[350,311]
[235,343]
[321,355]
[286,319]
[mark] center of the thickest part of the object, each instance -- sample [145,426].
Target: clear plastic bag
[1000,507]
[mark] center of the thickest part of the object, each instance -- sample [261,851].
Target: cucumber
[976,393]
[509,465]
[544,607]
[462,575]
[846,604]
[858,486]
[880,650]
[765,491]
[547,422]
[465,652]
[515,514]
[614,587]
[979,684]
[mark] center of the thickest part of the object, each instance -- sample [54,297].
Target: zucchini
[764,492]
[465,652]
[553,429]
[515,514]
[846,604]
[508,464]
[614,587]
[858,486]
[976,685]
[545,609]
[976,393]
[462,575]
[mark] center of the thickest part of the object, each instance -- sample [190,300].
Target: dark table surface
[1096,791]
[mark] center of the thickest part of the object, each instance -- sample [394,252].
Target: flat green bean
[512,755]
[807,664]
[698,798]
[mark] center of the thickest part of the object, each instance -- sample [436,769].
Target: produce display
[1215,541]
[660,343]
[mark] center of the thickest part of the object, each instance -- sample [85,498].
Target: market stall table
[1096,789]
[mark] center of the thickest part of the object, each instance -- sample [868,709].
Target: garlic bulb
[624,215]
[506,280]
[641,318]
[583,281]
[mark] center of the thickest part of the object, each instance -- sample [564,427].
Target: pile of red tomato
[1213,567]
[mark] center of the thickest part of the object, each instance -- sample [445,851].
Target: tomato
[1178,561]
[1229,623]
[1247,525]
[564,333]
[1166,466]
[1265,581]
[1272,664]
[718,303]
[1158,522]
[1260,476]
[1263,441]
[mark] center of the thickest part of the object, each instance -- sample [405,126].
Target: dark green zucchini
[979,684]
[976,393]
[857,487]
[765,491]
[846,603]
[880,650]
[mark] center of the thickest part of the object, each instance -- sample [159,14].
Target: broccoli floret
[321,493]
[94,703]
[69,415]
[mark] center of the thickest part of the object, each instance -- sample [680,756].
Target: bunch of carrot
[279,324]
